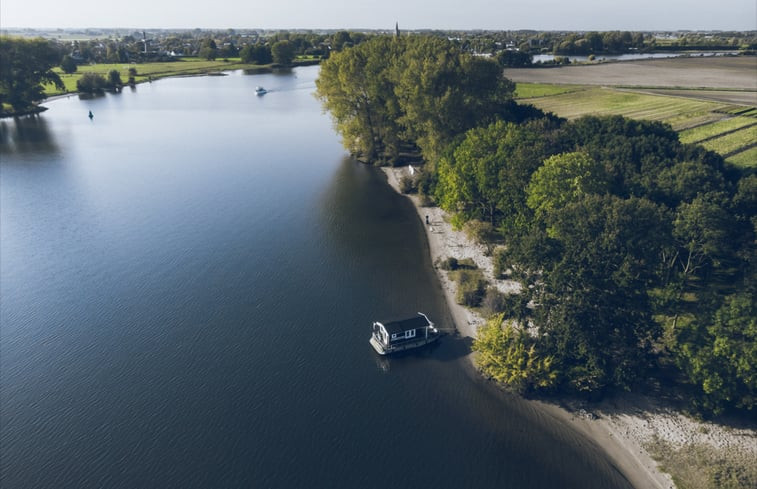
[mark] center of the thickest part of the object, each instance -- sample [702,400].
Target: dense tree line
[168,46]
[636,253]
[393,96]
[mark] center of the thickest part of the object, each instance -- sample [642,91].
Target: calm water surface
[541,58]
[187,285]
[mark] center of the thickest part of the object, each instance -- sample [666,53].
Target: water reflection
[28,134]
[91,96]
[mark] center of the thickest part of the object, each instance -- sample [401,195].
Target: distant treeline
[636,253]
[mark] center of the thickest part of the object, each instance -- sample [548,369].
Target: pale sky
[382,14]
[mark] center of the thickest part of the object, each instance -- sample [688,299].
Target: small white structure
[394,336]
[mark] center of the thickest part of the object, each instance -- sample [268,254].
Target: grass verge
[705,467]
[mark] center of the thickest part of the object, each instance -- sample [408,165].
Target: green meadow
[152,71]
[727,128]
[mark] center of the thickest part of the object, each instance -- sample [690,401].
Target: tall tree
[24,66]
[486,175]
[444,92]
[355,86]
[283,52]
[564,178]
[719,354]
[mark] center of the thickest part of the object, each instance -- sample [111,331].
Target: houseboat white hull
[383,350]
[405,334]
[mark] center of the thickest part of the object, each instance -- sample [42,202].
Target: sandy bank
[622,427]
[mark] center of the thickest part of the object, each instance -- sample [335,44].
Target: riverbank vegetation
[33,69]
[635,252]
[25,65]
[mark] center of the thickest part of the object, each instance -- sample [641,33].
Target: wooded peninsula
[635,252]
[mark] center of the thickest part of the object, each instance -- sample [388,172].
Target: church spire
[396,29]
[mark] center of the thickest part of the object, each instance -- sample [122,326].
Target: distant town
[141,45]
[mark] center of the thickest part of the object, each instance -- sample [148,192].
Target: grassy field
[711,131]
[147,71]
[728,129]
[533,90]
[745,159]
[709,101]
[732,143]
[679,112]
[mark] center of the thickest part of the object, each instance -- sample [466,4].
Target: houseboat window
[410,333]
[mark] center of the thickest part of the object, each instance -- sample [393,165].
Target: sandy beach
[624,427]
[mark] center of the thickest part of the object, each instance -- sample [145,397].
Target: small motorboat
[260,90]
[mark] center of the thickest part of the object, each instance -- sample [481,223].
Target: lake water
[542,58]
[188,282]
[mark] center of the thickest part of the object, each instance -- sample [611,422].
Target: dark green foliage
[514,59]
[449,264]
[25,64]
[283,52]
[209,50]
[512,305]
[471,287]
[408,184]
[719,354]
[627,216]
[114,79]
[427,95]
[487,174]
[68,65]
[91,83]
[614,228]
[259,54]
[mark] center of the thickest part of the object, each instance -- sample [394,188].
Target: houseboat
[395,336]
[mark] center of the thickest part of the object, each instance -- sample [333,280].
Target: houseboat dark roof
[406,324]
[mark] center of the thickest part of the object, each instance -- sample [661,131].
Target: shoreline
[624,427]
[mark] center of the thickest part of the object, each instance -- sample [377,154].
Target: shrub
[453,263]
[512,305]
[509,355]
[91,83]
[470,287]
[407,184]
[114,79]
[449,264]
[479,231]
[494,301]
[426,183]
[499,262]
[68,65]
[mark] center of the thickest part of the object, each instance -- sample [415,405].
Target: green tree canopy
[418,91]
[486,175]
[68,65]
[259,54]
[508,354]
[563,178]
[720,354]
[26,64]
[283,52]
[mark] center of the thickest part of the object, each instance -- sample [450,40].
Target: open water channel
[187,286]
